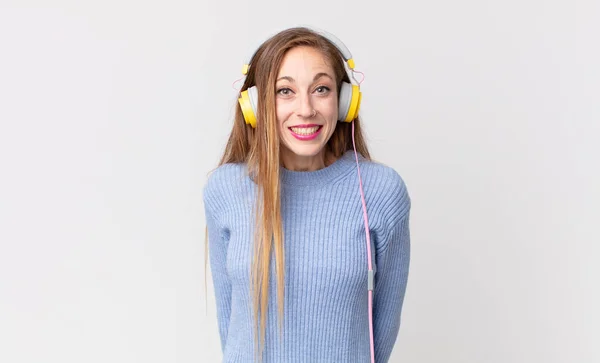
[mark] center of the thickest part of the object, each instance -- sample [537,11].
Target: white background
[112,114]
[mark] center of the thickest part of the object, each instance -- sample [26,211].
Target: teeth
[305,130]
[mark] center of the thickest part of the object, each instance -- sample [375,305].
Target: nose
[305,107]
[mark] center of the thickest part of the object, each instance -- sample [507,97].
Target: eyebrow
[317,76]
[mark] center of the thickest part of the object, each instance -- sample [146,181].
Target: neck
[295,162]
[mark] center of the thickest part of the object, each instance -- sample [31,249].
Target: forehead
[304,59]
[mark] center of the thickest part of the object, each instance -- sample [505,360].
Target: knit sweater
[326,296]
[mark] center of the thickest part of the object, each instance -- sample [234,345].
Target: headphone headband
[345,52]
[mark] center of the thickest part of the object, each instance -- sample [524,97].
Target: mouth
[306,132]
[304,126]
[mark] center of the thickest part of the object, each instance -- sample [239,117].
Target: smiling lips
[306,132]
[307,125]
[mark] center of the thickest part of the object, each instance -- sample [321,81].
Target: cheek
[331,109]
[283,111]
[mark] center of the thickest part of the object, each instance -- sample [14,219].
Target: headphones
[348,100]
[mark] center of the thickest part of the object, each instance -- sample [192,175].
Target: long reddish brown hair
[259,149]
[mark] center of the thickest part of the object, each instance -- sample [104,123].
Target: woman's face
[306,95]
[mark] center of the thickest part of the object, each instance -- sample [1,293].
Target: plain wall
[112,114]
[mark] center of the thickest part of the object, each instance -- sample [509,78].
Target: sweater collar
[338,169]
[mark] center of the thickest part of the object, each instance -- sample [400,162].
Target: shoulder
[388,201]
[223,173]
[388,190]
[222,182]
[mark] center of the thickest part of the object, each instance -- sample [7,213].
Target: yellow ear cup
[358,104]
[247,110]
[354,104]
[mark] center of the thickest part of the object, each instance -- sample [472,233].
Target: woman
[297,153]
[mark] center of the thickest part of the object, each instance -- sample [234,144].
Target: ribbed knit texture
[326,298]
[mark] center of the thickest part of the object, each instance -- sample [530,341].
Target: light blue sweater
[326,298]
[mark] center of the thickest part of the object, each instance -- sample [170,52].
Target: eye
[324,89]
[284,91]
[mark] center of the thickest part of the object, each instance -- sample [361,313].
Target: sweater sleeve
[391,278]
[218,264]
